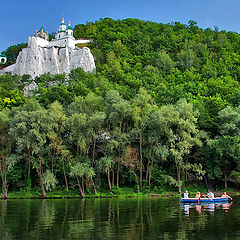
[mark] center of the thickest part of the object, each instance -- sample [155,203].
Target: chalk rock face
[36,60]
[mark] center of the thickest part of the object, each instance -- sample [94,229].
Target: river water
[147,218]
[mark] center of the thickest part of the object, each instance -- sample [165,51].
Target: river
[131,218]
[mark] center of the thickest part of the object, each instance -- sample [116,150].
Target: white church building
[60,55]
[63,37]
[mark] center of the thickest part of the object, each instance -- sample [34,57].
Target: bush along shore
[161,114]
[116,193]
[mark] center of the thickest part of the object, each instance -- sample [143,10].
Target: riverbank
[117,193]
[72,194]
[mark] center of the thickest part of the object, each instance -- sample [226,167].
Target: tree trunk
[136,181]
[113,177]
[150,175]
[149,180]
[80,188]
[225,180]
[140,153]
[94,188]
[28,162]
[109,181]
[64,174]
[149,163]
[42,186]
[118,174]
[179,179]
[93,152]
[83,186]
[39,171]
[86,184]
[4,186]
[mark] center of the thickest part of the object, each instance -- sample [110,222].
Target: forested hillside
[161,113]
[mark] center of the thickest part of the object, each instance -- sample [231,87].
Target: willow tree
[179,133]
[30,126]
[83,173]
[119,120]
[142,107]
[76,124]
[92,108]
[56,145]
[105,164]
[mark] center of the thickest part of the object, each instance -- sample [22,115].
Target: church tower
[61,30]
[64,36]
[69,31]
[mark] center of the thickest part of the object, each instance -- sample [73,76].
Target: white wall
[62,42]
[40,41]
[83,41]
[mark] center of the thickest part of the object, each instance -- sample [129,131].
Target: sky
[20,18]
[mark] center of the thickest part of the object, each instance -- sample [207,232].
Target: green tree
[49,180]
[118,120]
[5,149]
[82,172]
[29,127]
[164,62]
[142,106]
[226,144]
[105,164]
[56,144]
[13,51]
[179,133]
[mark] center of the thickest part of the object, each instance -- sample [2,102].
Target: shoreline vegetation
[129,194]
[161,114]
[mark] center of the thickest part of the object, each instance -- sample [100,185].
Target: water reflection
[148,218]
[206,207]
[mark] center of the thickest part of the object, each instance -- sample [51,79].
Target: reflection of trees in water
[187,227]
[4,234]
[104,219]
[202,221]
[45,218]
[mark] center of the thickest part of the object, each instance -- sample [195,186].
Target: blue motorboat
[203,200]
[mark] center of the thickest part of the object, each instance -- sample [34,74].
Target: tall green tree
[5,149]
[119,112]
[142,107]
[29,127]
[179,133]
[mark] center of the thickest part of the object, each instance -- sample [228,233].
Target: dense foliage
[160,112]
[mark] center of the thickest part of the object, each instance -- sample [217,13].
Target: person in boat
[225,196]
[210,195]
[185,195]
[198,195]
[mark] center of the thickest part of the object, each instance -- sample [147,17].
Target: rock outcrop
[36,60]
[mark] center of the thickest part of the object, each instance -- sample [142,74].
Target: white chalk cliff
[36,60]
[55,57]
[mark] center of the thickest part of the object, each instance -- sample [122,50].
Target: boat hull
[202,200]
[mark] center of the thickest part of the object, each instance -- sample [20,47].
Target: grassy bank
[117,192]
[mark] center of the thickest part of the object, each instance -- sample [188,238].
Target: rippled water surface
[148,218]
